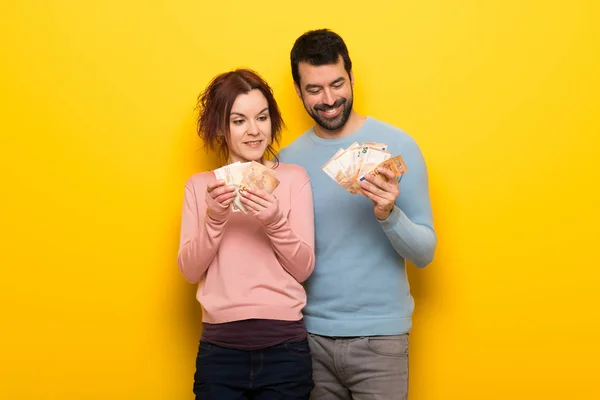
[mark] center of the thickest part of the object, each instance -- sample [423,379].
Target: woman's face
[249,127]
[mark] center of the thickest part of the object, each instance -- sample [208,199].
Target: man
[359,310]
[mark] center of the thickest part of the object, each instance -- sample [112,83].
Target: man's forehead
[320,74]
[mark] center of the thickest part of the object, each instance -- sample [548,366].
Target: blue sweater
[359,285]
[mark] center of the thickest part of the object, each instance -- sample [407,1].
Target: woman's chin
[254,155]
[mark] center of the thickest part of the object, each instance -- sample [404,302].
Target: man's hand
[382,190]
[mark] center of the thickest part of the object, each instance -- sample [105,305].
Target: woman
[248,265]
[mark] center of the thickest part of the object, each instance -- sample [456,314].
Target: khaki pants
[360,368]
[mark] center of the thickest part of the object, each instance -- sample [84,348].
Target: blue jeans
[279,372]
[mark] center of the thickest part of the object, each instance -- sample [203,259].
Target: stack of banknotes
[246,175]
[349,166]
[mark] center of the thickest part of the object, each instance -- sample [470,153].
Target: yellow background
[97,140]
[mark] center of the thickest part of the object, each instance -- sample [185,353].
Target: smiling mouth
[331,112]
[253,142]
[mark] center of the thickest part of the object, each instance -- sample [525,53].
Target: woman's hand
[264,206]
[218,200]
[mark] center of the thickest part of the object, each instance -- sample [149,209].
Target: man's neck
[355,121]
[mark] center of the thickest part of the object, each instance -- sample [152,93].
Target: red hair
[215,104]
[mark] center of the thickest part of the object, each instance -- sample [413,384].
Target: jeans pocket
[300,347]
[391,346]
[204,349]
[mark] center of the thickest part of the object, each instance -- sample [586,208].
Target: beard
[335,123]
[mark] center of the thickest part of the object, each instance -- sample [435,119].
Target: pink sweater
[244,269]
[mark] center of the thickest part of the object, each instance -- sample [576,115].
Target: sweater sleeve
[200,236]
[293,236]
[409,227]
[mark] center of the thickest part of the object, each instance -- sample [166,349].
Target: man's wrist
[392,216]
[387,216]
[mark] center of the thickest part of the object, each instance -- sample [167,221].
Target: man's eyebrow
[313,86]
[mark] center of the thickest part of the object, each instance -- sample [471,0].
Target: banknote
[348,167]
[395,164]
[257,176]
[233,174]
[371,159]
[247,175]
[336,171]
[380,146]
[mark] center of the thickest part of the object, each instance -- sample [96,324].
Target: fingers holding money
[382,190]
[264,205]
[220,192]
[256,199]
[384,186]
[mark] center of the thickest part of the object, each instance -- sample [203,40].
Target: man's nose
[328,98]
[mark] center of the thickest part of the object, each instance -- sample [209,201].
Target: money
[246,175]
[395,164]
[348,167]
[257,176]
[335,170]
[380,146]
[232,175]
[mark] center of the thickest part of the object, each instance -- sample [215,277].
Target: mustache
[325,107]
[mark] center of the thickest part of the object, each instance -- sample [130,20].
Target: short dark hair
[216,101]
[319,47]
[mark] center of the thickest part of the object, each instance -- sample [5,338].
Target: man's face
[326,92]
